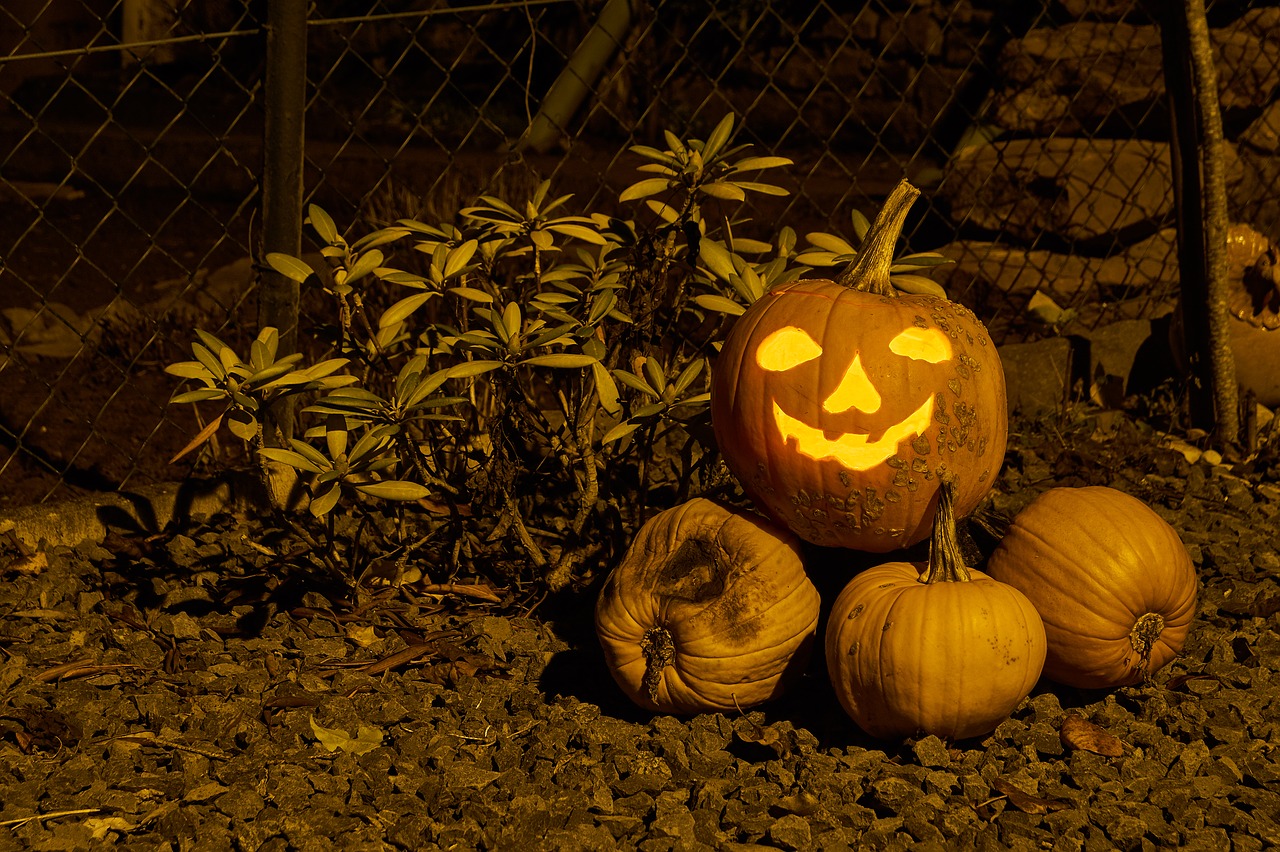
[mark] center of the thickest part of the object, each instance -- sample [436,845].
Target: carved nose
[854,391]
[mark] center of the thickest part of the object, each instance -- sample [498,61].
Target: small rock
[931,751]
[791,832]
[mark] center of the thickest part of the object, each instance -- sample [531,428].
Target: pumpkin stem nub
[659,652]
[869,271]
[1144,634]
[946,561]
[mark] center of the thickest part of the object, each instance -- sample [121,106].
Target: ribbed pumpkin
[937,648]
[710,609]
[1111,579]
[837,404]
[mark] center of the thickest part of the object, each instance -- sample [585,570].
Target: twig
[21,821]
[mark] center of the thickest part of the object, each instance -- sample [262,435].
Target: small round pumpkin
[1111,579]
[937,648]
[710,609]
[837,404]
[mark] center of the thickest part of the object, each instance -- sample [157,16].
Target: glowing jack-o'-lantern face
[790,347]
[837,409]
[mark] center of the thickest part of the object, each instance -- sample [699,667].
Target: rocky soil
[184,692]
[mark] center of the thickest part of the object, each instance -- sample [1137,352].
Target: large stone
[1086,75]
[1037,376]
[983,269]
[1263,134]
[1067,80]
[1112,355]
[1069,189]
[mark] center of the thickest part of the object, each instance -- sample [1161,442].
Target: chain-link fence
[133,143]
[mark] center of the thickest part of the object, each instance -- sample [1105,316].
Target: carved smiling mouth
[854,450]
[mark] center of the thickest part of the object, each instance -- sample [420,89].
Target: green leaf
[209,361]
[716,141]
[688,374]
[719,304]
[242,424]
[645,188]
[394,489]
[665,211]
[289,266]
[723,190]
[654,375]
[650,153]
[861,224]
[323,224]
[189,370]
[634,382]
[290,458]
[749,164]
[459,257]
[822,258]
[717,258]
[365,264]
[920,260]
[559,359]
[325,498]
[601,305]
[467,369]
[404,308]
[606,389]
[578,232]
[743,245]
[619,432]
[471,293]
[201,395]
[762,188]
[831,243]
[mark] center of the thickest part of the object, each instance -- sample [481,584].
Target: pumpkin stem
[1146,631]
[946,561]
[659,651]
[869,271]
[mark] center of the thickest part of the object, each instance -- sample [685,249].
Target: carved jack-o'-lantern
[838,403]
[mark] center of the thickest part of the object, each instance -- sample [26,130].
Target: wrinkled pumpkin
[710,609]
[837,404]
[1111,579]
[936,648]
[1253,314]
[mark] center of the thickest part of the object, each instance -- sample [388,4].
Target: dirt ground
[185,692]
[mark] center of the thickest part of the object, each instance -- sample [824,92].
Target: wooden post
[1201,207]
[283,146]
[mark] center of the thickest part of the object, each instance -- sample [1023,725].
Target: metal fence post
[283,148]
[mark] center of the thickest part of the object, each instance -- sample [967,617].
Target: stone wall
[1068,189]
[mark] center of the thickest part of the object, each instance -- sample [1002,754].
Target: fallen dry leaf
[1025,802]
[366,739]
[1079,733]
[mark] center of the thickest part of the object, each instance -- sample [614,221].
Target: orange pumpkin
[937,648]
[837,404]
[1111,579]
[710,609]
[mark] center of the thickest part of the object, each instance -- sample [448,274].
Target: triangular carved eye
[921,344]
[786,348]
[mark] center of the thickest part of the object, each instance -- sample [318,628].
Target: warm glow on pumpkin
[921,344]
[789,347]
[854,450]
[786,348]
[855,391]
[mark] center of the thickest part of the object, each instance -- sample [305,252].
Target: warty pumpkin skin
[937,648]
[710,609]
[837,404]
[1111,579]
